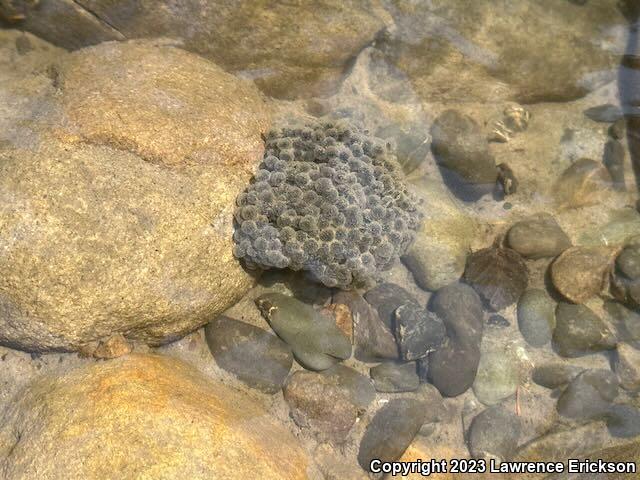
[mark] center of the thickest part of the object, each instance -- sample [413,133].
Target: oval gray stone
[393,377]
[579,331]
[589,395]
[497,378]
[315,339]
[391,431]
[494,433]
[554,375]
[256,357]
[536,317]
[453,367]
[538,237]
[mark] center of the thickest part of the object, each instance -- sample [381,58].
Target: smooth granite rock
[143,416]
[118,185]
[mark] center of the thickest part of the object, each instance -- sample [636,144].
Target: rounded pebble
[536,317]
[579,331]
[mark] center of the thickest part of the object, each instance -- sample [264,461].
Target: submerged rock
[554,375]
[143,416]
[626,364]
[623,421]
[123,209]
[589,395]
[395,377]
[628,262]
[625,278]
[499,275]
[456,50]
[386,298]
[536,317]
[621,226]
[328,403]
[582,272]
[315,339]
[258,358]
[417,331]
[359,387]
[252,40]
[538,237]
[626,290]
[617,129]
[584,183]
[577,441]
[391,431]
[494,433]
[452,368]
[606,113]
[498,321]
[462,153]
[579,331]
[626,320]
[373,339]
[613,160]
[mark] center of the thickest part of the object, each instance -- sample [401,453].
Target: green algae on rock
[315,339]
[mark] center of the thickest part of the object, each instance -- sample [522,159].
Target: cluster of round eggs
[329,199]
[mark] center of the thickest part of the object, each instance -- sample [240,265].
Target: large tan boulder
[143,417]
[491,50]
[290,48]
[118,182]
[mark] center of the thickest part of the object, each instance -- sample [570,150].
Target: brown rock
[344,319]
[328,403]
[425,451]
[591,441]
[580,273]
[142,416]
[290,49]
[372,339]
[173,123]
[583,183]
[114,347]
[118,187]
[456,50]
[499,275]
[538,236]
